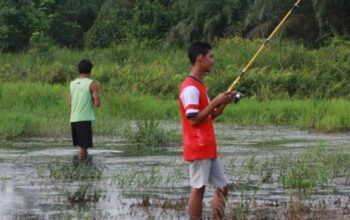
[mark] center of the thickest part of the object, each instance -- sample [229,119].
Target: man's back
[81,103]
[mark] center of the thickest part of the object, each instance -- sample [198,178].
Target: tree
[138,20]
[111,24]
[64,21]
[151,19]
[203,19]
[333,16]
[71,20]
[314,19]
[18,20]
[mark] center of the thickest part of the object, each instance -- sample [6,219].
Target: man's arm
[232,99]
[69,99]
[95,94]
[214,108]
[218,111]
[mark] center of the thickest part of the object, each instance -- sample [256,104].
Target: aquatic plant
[304,171]
[86,192]
[241,182]
[149,135]
[339,163]
[137,178]
[79,171]
[83,174]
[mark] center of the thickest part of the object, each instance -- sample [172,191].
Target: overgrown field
[283,70]
[34,109]
[289,85]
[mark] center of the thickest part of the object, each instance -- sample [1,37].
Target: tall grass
[326,115]
[36,109]
[288,85]
[284,69]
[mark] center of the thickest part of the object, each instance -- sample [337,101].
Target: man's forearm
[202,115]
[218,111]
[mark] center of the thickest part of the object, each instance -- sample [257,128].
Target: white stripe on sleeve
[190,96]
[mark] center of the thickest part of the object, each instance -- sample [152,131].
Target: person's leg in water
[83,152]
[219,202]
[195,203]
[84,138]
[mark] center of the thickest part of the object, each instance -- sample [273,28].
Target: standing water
[44,179]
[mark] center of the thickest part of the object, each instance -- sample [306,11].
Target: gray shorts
[203,172]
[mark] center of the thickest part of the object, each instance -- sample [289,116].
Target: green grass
[289,85]
[36,109]
[325,115]
[41,110]
[284,69]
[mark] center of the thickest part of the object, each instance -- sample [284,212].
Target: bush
[40,43]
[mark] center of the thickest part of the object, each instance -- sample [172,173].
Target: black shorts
[82,134]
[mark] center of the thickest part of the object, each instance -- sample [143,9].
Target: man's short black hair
[198,48]
[85,66]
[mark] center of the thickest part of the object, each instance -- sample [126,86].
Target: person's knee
[222,191]
[198,190]
[225,190]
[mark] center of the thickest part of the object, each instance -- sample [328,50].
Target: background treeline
[100,23]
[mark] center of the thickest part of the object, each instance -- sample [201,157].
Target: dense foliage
[285,68]
[99,23]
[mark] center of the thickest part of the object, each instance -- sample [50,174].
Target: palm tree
[205,19]
[333,16]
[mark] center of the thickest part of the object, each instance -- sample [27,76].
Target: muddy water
[155,185]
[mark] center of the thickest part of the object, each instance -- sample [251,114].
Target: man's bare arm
[211,109]
[69,99]
[218,111]
[94,88]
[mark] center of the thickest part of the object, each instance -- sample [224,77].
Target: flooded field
[275,173]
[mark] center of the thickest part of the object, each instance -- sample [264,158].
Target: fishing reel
[236,96]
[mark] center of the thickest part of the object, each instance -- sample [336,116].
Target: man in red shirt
[199,144]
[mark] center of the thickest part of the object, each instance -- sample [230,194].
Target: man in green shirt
[84,94]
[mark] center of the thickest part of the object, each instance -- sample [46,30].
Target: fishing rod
[252,60]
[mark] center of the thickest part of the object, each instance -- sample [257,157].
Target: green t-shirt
[81,100]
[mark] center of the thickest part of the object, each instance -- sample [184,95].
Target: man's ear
[199,58]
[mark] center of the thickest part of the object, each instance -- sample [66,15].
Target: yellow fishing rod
[252,60]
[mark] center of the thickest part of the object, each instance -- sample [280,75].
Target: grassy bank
[324,115]
[284,69]
[36,109]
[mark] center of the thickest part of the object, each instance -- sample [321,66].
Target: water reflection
[86,172]
[79,169]
[79,179]
[86,160]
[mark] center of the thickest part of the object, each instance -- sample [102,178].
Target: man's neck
[84,75]
[197,73]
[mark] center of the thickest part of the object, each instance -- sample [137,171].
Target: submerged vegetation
[301,173]
[83,174]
